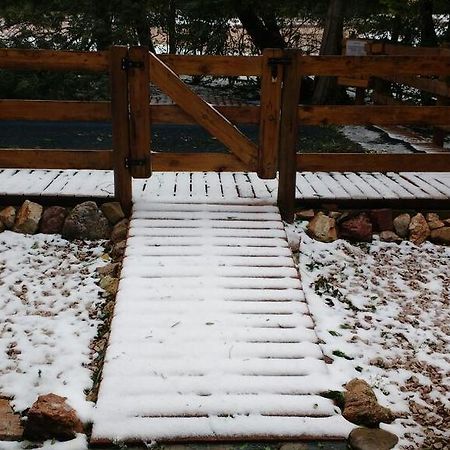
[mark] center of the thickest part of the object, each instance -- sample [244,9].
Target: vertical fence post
[269,122]
[120,126]
[288,135]
[139,87]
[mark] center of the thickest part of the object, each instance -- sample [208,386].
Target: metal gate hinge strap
[131,64]
[129,162]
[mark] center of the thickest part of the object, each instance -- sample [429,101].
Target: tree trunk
[428,36]
[331,45]
[264,34]
[171,30]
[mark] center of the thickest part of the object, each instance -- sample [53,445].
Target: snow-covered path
[211,336]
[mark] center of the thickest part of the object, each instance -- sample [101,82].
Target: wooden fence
[278,115]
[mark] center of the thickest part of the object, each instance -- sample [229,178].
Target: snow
[373,141]
[381,312]
[48,294]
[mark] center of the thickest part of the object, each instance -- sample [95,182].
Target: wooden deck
[223,187]
[211,337]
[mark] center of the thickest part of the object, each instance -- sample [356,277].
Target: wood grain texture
[242,114]
[203,113]
[352,162]
[214,65]
[348,66]
[198,162]
[55,159]
[20,59]
[139,98]
[288,135]
[374,115]
[54,110]
[121,132]
[270,115]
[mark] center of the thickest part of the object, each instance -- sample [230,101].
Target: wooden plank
[214,65]
[54,110]
[21,59]
[405,50]
[139,98]
[56,159]
[436,87]
[121,145]
[379,66]
[174,114]
[360,162]
[373,115]
[288,135]
[205,114]
[270,114]
[198,162]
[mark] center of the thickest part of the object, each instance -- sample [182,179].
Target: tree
[331,45]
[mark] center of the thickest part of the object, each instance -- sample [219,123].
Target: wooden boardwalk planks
[211,336]
[225,186]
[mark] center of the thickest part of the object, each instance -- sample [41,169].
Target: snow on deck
[222,187]
[211,336]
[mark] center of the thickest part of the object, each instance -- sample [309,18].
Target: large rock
[120,231]
[51,417]
[10,426]
[371,439]
[441,235]
[52,220]
[111,269]
[361,405]
[109,284]
[86,221]
[434,221]
[113,212]
[2,227]
[382,219]
[358,228]
[304,214]
[8,216]
[419,230]
[28,217]
[389,236]
[401,225]
[322,228]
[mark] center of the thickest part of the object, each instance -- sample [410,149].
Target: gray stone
[8,216]
[51,417]
[10,426]
[52,220]
[401,225]
[118,250]
[322,228]
[361,405]
[419,230]
[113,212]
[28,217]
[371,439]
[86,221]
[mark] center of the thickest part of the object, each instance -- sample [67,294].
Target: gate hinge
[131,64]
[129,162]
[274,62]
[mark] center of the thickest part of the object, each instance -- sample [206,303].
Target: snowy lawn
[382,312]
[48,317]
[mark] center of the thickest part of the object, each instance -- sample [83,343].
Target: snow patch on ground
[382,312]
[48,296]
[373,141]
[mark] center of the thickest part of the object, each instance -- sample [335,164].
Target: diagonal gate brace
[203,113]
